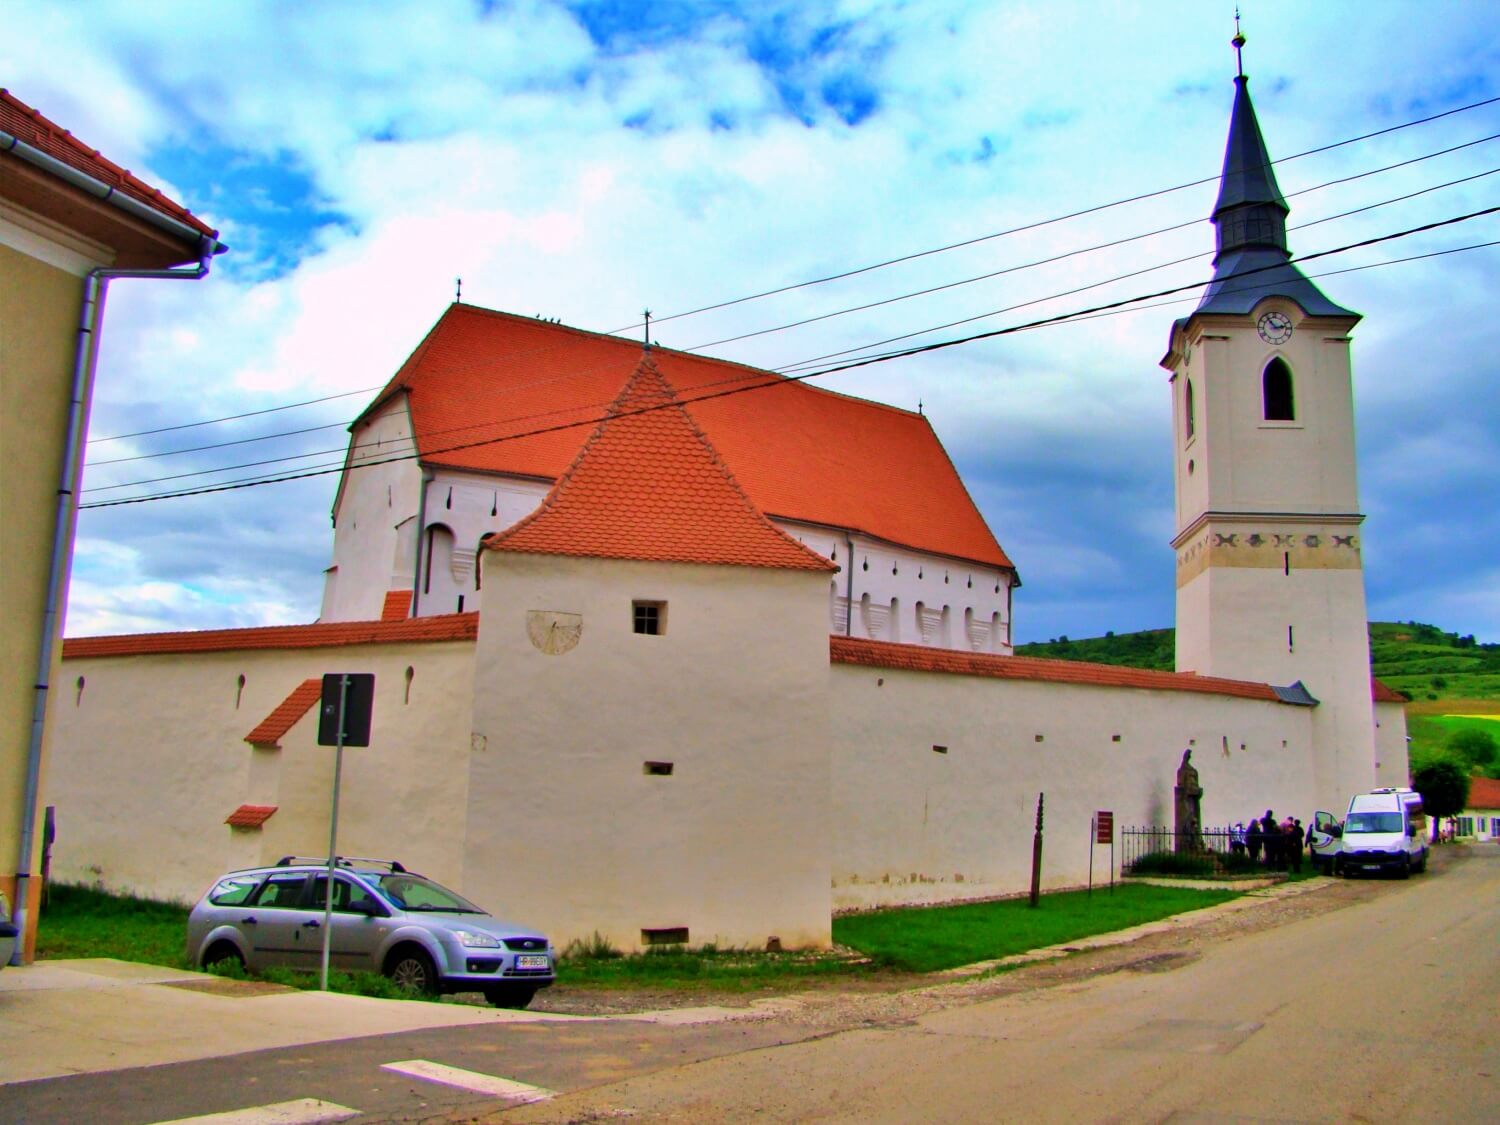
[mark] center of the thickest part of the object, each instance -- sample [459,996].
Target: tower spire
[1249,219]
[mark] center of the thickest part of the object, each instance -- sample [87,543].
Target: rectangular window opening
[671,935]
[658,769]
[1286,562]
[649,618]
[936,749]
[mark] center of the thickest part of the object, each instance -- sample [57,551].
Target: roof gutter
[107,193]
[85,359]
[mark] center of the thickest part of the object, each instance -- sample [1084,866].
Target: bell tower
[1270,585]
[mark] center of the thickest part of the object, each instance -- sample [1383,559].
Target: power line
[841,312]
[901,259]
[783,380]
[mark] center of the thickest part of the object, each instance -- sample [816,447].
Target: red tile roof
[397,605]
[648,484]
[250,816]
[800,452]
[20,120]
[1484,793]
[286,714]
[914,658]
[1381,693]
[447,627]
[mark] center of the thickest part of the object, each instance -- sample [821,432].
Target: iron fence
[1166,851]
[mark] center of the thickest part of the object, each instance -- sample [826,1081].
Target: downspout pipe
[85,359]
[416,570]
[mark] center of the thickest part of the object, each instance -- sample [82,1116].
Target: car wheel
[224,955]
[1404,871]
[412,971]
[510,997]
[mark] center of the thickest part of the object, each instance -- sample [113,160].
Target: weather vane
[1239,43]
[459,295]
[647,315]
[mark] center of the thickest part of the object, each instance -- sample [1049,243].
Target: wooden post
[1036,853]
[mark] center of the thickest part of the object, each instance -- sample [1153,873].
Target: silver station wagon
[385,919]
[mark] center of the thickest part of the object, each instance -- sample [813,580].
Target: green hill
[1421,661]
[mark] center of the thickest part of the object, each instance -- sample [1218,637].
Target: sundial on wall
[553,632]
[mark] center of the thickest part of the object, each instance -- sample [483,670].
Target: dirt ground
[880,998]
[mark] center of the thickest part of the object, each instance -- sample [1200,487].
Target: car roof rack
[394,865]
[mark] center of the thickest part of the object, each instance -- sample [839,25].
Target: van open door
[1324,841]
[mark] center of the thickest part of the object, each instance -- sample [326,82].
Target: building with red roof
[491,409]
[70,221]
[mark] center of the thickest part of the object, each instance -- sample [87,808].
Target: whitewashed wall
[914,824]
[149,757]
[567,828]
[374,540]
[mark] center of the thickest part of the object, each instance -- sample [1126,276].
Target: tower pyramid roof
[1252,260]
[649,485]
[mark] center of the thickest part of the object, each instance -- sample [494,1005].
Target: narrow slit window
[1276,388]
[1188,423]
[670,935]
[658,769]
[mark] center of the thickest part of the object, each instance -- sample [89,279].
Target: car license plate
[1369,867]
[532,961]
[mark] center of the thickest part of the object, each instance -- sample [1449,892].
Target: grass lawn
[84,922]
[944,937]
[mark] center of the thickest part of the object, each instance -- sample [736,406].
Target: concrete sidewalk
[77,1017]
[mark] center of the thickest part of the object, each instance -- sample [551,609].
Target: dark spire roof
[1252,260]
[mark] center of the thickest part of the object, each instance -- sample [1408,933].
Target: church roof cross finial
[1239,43]
[647,315]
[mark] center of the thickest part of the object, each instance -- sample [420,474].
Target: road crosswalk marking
[471,1080]
[303,1111]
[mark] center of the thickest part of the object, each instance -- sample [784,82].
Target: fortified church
[672,649]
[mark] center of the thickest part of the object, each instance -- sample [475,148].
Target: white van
[1384,830]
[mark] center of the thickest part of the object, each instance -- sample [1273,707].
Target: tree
[1444,785]
[1475,747]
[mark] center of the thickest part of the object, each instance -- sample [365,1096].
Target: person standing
[1254,839]
[1271,836]
[1294,840]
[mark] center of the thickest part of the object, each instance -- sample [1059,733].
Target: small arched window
[1187,410]
[1276,392]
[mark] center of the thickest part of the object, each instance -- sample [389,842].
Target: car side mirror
[1335,831]
[1411,831]
[366,906]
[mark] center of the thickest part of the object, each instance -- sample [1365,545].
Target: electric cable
[784,380]
[892,261]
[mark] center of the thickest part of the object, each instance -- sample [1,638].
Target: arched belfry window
[1187,409]
[1276,392]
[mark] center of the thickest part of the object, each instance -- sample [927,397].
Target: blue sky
[587,160]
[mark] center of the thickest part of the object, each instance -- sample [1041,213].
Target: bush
[1175,863]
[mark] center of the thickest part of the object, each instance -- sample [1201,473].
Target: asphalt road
[1382,1011]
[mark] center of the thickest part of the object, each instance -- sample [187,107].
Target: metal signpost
[343,720]
[1102,831]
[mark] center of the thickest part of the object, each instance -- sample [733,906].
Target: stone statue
[1189,806]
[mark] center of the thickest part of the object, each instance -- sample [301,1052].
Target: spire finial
[647,315]
[458,297]
[1239,43]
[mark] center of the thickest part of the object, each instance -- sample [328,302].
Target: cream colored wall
[565,830]
[370,554]
[149,757]
[40,296]
[911,824]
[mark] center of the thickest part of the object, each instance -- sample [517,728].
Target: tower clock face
[1274,327]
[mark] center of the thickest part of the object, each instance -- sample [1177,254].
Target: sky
[588,160]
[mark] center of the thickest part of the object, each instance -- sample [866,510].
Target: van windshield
[1373,822]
